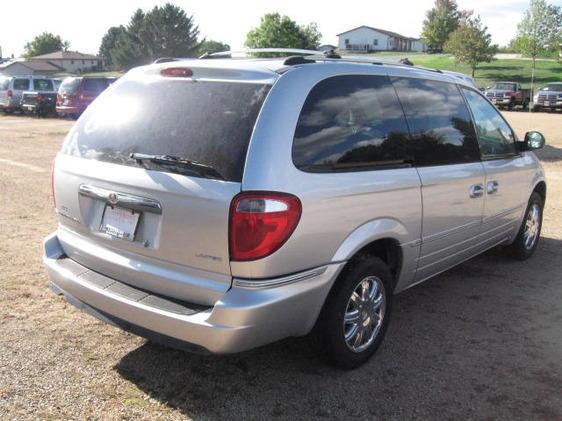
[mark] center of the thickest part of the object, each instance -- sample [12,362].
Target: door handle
[476,190]
[492,187]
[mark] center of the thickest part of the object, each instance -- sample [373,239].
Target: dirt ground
[481,341]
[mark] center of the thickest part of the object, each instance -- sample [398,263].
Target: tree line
[168,31]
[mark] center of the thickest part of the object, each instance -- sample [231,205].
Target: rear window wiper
[179,163]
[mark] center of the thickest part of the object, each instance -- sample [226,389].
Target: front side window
[21,84]
[494,135]
[439,121]
[351,123]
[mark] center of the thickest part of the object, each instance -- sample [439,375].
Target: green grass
[518,70]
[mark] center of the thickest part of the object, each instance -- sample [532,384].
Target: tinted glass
[43,85]
[69,85]
[494,135]
[351,123]
[95,85]
[207,122]
[21,84]
[439,121]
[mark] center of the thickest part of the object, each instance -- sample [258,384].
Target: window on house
[346,41]
[71,61]
[375,42]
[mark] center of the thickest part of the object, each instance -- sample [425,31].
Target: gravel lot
[482,341]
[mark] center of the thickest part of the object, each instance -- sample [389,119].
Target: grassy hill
[518,70]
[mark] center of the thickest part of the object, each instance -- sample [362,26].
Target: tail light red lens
[10,93]
[260,223]
[40,98]
[176,72]
[508,94]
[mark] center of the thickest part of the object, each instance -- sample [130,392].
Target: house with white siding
[366,39]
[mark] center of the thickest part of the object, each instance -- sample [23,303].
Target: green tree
[540,30]
[440,22]
[276,31]
[165,31]
[471,43]
[109,41]
[210,46]
[45,43]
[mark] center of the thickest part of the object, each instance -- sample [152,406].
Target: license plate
[119,222]
[546,103]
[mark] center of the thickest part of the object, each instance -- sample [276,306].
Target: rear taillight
[53,184]
[10,93]
[260,223]
[508,94]
[40,98]
[176,72]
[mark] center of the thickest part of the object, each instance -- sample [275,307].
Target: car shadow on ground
[477,340]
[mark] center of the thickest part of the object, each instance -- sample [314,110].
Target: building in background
[367,39]
[72,61]
[28,67]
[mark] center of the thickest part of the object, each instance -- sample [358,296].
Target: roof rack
[301,56]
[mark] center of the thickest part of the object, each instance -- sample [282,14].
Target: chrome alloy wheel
[532,225]
[364,314]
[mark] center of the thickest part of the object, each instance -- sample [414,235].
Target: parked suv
[41,97]
[219,205]
[549,97]
[77,93]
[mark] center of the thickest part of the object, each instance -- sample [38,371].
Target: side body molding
[379,229]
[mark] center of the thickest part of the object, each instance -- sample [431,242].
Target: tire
[373,314]
[529,234]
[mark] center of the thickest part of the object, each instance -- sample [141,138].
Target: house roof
[36,66]
[72,55]
[382,31]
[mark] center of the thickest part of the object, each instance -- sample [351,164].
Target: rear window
[503,86]
[21,84]
[95,85]
[207,122]
[43,85]
[69,86]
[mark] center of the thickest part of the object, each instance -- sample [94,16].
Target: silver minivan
[221,204]
[13,87]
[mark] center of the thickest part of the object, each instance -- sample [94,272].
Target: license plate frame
[120,222]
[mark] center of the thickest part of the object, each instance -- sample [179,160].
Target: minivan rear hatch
[145,178]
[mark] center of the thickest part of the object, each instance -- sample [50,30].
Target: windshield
[504,86]
[207,122]
[556,87]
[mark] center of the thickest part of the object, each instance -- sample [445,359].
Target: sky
[84,23]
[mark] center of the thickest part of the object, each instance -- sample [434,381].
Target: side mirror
[533,140]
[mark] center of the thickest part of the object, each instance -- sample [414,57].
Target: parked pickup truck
[42,99]
[548,97]
[508,95]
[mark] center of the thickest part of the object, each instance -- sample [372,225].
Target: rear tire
[356,313]
[529,234]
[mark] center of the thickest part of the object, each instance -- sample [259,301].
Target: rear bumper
[244,318]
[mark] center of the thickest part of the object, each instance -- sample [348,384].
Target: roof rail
[232,53]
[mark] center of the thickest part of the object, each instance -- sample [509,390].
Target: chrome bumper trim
[271,283]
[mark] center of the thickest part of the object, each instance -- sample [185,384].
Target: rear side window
[21,84]
[69,86]
[95,85]
[43,85]
[439,121]
[351,123]
[207,122]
